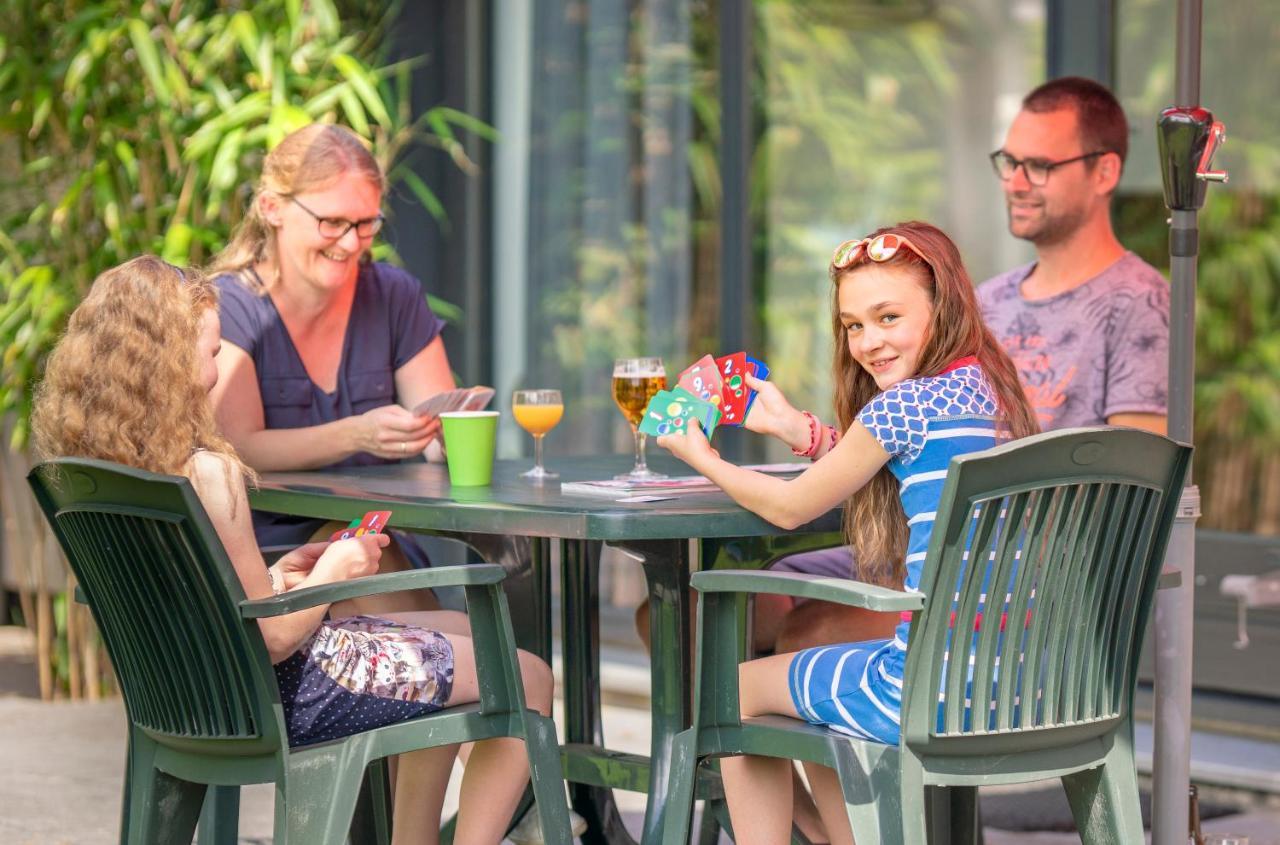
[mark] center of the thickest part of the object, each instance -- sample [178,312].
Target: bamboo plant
[138,126]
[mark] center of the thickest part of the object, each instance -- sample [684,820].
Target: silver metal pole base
[1171,769]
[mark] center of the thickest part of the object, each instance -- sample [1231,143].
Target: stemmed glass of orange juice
[537,412]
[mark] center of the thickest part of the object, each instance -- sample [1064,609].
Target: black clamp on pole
[1188,139]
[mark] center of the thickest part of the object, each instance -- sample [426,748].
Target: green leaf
[445,310]
[124,154]
[210,134]
[78,69]
[245,31]
[223,173]
[353,110]
[285,119]
[177,244]
[472,124]
[149,58]
[424,194]
[364,85]
[327,19]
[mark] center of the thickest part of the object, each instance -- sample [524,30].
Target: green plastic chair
[199,689]
[1071,528]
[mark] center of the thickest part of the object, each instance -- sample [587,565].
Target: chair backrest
[165,597]
[1042,568]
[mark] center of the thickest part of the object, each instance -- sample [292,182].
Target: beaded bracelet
[814,427]
[276,587]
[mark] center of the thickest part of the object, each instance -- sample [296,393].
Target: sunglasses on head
[879,249]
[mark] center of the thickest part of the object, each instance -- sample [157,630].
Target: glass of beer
[537,412]
[635,381]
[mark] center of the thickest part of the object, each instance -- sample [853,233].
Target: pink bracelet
[814,427]
[834,435]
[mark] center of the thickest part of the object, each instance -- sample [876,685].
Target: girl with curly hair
[130,383]
[919,379]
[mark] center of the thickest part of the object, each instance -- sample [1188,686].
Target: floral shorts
[360,673]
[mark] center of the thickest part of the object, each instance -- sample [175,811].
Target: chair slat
[1091,657]
[1031,569]
[1059,680]
[987,654]
[958,577]
[1066,519]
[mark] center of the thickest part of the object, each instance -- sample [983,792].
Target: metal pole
[1174,625]
[737,299]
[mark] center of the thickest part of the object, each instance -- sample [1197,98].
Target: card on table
[372,522]
[669,412]
[702,380]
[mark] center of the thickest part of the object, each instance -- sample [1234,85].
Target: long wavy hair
[123,383]
[874,522]
[307,159]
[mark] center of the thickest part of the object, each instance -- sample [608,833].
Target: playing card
[762,373]
[373,522]
[458,399]
[702,380]
[734,392]
[669,412]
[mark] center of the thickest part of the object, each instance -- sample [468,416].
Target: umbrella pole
[1188,137]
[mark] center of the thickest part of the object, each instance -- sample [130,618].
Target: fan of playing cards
[712,391]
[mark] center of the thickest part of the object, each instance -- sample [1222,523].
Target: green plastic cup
[469,437]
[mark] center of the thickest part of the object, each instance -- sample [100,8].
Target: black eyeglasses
[1037,169]
[335,227]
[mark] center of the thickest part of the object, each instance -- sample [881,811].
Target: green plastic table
[513,522]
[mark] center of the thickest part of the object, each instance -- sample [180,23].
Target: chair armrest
[477,574]
[839,590]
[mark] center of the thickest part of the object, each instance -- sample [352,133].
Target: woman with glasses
[323,350]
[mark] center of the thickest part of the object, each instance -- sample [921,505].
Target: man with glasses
[1087,323]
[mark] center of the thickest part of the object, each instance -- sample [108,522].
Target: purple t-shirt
[1099,349]
[390,323]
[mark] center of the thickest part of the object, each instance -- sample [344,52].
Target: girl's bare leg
[830,800]
[758,789]
[498,770]
[421,780]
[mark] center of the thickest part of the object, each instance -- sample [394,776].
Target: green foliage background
[138,127]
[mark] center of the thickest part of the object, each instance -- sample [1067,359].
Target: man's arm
[1157,423]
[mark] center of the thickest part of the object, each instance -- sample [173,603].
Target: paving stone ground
[64,764]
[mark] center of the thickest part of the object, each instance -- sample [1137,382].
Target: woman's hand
[772,414]
[293,567]
[354,557]
[692,446]
[393,432]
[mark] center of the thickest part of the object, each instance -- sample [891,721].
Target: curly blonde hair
[122,384]
[308,158]
[874,522]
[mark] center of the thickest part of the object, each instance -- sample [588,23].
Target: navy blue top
[390,323]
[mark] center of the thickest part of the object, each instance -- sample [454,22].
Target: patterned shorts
[360,673]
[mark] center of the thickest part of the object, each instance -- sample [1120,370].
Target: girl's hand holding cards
[772,414]
[690,446]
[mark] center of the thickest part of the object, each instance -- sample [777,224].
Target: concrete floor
[65,765]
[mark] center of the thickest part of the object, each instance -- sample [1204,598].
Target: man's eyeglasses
[879,249]
[1036,169]
[335,227]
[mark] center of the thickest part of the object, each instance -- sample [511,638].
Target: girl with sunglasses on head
[918,379]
